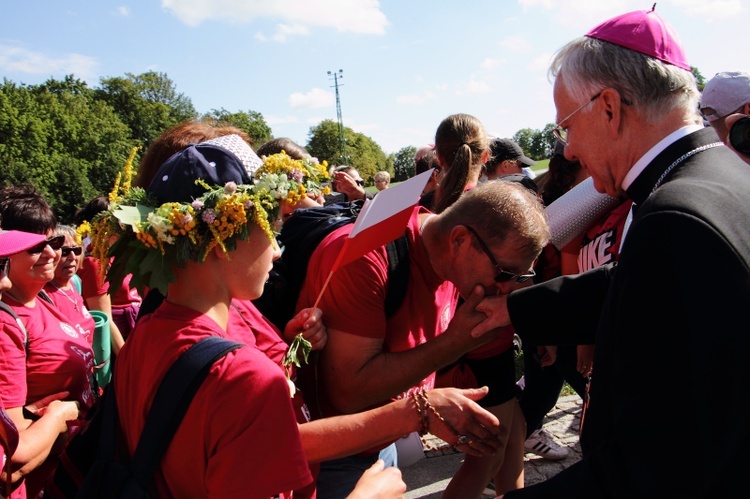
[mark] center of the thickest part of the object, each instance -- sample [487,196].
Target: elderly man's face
[587,137]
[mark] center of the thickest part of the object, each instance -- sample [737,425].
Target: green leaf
[131,214]
[299,346]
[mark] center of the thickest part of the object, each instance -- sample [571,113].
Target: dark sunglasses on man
[54,242]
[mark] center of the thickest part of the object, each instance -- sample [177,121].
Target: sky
[405,64]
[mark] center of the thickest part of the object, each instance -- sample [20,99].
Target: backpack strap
[45,296]
[8,310]
[398,274]
[172,401]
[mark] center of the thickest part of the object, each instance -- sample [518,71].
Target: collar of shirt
[647,158]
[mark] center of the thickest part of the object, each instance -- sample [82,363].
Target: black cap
[502,149]
[175,179]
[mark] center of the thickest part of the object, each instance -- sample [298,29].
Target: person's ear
[611,105]
[459,236]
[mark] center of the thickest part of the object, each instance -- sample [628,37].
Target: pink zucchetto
[646,32]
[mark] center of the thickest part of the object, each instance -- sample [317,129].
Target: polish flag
[382,219]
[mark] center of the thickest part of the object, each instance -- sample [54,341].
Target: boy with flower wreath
[205,218]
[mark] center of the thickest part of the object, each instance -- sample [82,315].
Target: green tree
[362,152]
[58,137]
[403,163]
[699,79]
[366,156]
[251,122]
[525,139]
[542,143]
[323,142]
[148,103]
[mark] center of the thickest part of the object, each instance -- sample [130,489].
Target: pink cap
[15,241]
[646,32]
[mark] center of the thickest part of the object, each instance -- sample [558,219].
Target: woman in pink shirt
[45,353]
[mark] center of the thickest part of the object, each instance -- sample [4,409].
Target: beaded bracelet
[424,417]
[423,406]
[427,405]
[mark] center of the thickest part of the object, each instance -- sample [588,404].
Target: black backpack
[299,237]
[89,466]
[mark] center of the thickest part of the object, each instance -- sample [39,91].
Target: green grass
[541,165]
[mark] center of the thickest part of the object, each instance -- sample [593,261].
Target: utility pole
[337,75]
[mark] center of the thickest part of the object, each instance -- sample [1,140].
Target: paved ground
[428,477]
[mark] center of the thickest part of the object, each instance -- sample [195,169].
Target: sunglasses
[4,266]
[76,250]
[54,242]
[360,183]
[501,275]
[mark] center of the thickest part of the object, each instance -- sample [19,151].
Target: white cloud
[356,16]
[281,120]
[711,10]
[490,63]
[416,99]
[123,11]
[315,98]
[516,44]
[540,62]
[474,86]
[21,60]
[283,33]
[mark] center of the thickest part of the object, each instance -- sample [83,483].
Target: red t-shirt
[90,285]
[244,317]
[601,241]
[354,300]
[239,437]
[70,303]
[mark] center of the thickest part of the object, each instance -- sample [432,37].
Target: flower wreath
[140,237]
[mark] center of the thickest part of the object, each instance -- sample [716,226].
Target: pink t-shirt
[239,437]
[70,303]
[354,300]
[8,444]
[59,357]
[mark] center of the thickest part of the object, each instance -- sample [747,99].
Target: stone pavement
[428,477]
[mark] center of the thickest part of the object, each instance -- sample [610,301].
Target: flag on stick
[381,220]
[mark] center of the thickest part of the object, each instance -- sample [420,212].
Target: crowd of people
[483,272]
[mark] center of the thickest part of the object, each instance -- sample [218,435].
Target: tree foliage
[700,81]
[148,103]
[403,163]
[58,137]
[362,152]
[251,122]
[536,144]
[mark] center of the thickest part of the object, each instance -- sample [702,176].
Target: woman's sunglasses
[76,250]
[4,266]
[54,242]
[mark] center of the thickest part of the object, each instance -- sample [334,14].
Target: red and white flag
[381,220]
